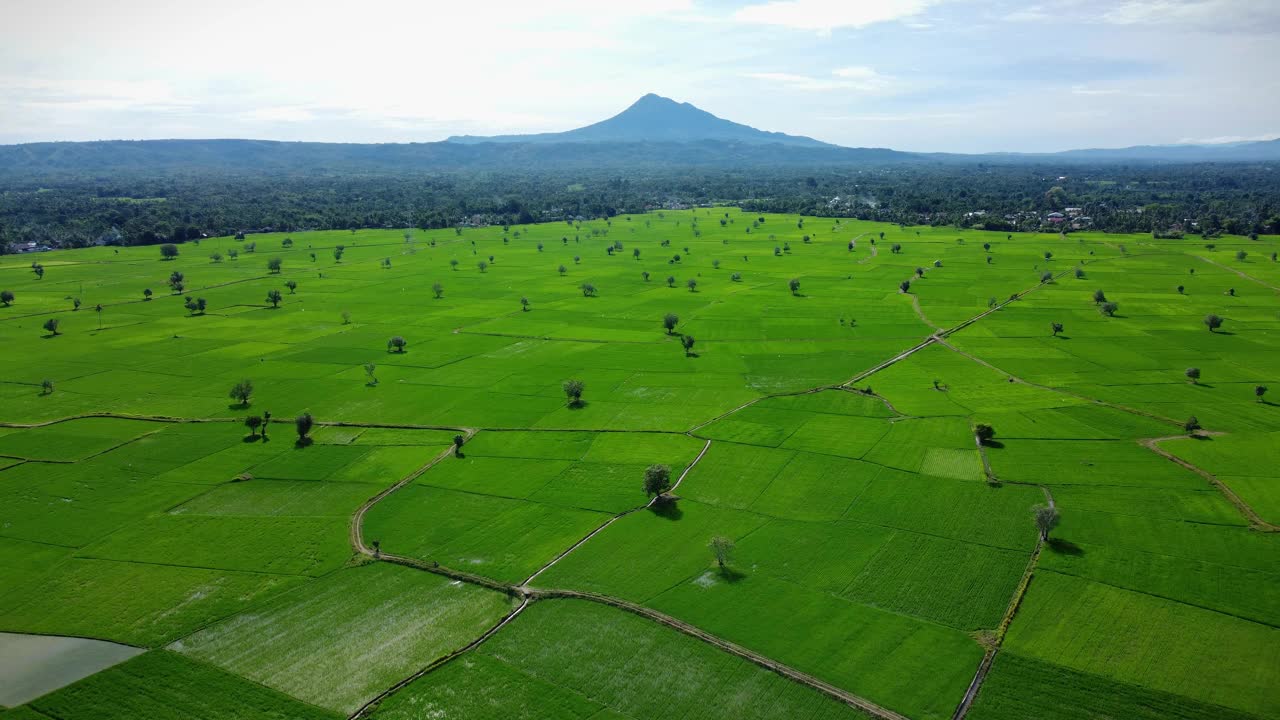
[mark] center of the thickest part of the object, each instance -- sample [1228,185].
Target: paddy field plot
[878,546]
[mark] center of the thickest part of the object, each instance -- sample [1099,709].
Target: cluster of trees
[142,207]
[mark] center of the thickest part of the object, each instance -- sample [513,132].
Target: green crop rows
[879,552]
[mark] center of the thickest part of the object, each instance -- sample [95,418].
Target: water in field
[33,665]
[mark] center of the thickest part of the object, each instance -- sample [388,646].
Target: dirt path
[1241,273]
[524,586]
[1255,520]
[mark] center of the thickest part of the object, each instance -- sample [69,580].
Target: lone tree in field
[984,432]
[669,321]
[692,284]
[1046,277]
[176,281]
[1193,374]
[919,272]
[292,285]
[1079,273]
[216,257]
[46,387]
[52,326]
[458,440]
[253,422]
[1046,518]
[1213,321]
[273,297]
[562,270]
[524,304]
[438,289]
[722,549]
[241,392]
[38,269]
[1099,297]
[671,281]
[904,286]
[657,480]
[1259,391]
[1181,290]
[1191,425]
[1241,255]
[6,297]
[396,344]
[687,341]
[482,265]
[1057,328]
[453,263]
[896,248]
[588,290]
[793,285]
[168,251]
[274,265]
[1109,309]
[369,370]
[338,250]
[303,424]
[573,392]
[645,275]
[146,294]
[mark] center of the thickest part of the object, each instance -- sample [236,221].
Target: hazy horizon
[916,75]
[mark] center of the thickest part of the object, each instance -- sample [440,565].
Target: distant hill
[654,118]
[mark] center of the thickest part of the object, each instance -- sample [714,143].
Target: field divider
[524,586]
[1255,520]
[732,648]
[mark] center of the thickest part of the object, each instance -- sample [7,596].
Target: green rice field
[455,536]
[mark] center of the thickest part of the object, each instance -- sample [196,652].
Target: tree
[303,424]
[1213,321]
[1109,309]
[234,253]
[985,432]
[692,285]
[573,391]
[562,270]
[793,285]
[292,285]
[216,257]
[657,480]
[1057,328]
[369,370]
[75,304]
[1193,374]
[524,304]
[1046,519]
[338,250]
[1259,391]
[46,387]
[273,297]
[274,265]
[396,344]
[1191,425]
[1099,297]
[6,297]
[458,440]
[721,549]
[482,265]
[52,326]
[896,248]
[176,281]
[168,251]
[645,274]
[346,317]
[1241,255]
[588,290]
[736,277]
[669,321]
[1048,255]
[635,253]
[687,341]
[241,392]
[146,294]
[671,281]
[1079,273]
[1045,277]
[1181,290]
[453,264]
[986,246]
[438,289]
[253,422]
[38,269]
[904,286]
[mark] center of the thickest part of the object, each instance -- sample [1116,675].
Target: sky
[922,75]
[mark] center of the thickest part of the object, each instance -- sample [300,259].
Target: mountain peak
[654,118]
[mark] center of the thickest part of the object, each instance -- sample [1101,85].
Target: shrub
[396,344]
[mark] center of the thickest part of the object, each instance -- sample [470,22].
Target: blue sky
[930,75]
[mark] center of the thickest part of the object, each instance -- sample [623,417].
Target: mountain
[654,118]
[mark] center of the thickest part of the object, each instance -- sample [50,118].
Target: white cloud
[1221,139]
[858,79]
[827,15]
